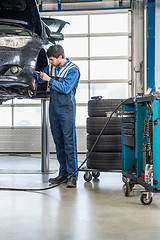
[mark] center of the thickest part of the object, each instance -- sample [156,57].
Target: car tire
[104,161]
[106,143]
[98,108]
[95,125]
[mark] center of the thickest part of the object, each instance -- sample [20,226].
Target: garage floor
[94,210]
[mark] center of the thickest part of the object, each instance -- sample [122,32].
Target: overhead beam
[81,8]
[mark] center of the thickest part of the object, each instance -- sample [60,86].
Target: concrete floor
[93,211]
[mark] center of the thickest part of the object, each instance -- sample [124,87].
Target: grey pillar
[145,49]
[44,136]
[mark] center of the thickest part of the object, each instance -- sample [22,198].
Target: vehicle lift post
[44,136]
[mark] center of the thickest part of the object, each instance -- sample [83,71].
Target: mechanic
[62,76]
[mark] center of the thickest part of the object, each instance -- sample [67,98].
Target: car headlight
[14,42]
[14,69]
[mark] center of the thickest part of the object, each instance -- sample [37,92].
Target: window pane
[109,69]
[27,116]
[81,116]
[83,67]
[82,93]
[7,102]
[78,24]
[75,47]
[109,23]
[109,46]
[6,116]
[27,101]
[110,90]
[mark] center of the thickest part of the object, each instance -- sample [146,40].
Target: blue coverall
[62,110]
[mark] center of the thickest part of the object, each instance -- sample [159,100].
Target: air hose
[91,150]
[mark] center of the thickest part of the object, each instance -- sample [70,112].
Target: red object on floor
[142,177]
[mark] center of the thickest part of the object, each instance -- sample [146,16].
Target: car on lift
[24,40]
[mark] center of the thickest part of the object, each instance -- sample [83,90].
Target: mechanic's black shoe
[71,183]
[58,179]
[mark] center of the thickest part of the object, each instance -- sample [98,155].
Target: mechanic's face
[55,61]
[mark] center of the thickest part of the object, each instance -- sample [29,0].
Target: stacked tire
[106,155]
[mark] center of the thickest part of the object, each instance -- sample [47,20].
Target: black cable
[56,185]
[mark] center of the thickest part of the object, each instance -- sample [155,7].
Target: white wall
[137,47]
[29,140]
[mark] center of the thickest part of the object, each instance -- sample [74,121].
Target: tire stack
[106,155]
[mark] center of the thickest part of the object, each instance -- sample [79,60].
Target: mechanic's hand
[44,76]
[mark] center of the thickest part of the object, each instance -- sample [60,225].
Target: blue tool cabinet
[141,145]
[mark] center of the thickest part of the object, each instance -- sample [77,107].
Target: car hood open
[22,12]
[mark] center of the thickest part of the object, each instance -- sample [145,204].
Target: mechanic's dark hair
[55,51]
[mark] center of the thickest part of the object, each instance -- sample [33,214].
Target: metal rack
[94,173]
[141,146]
